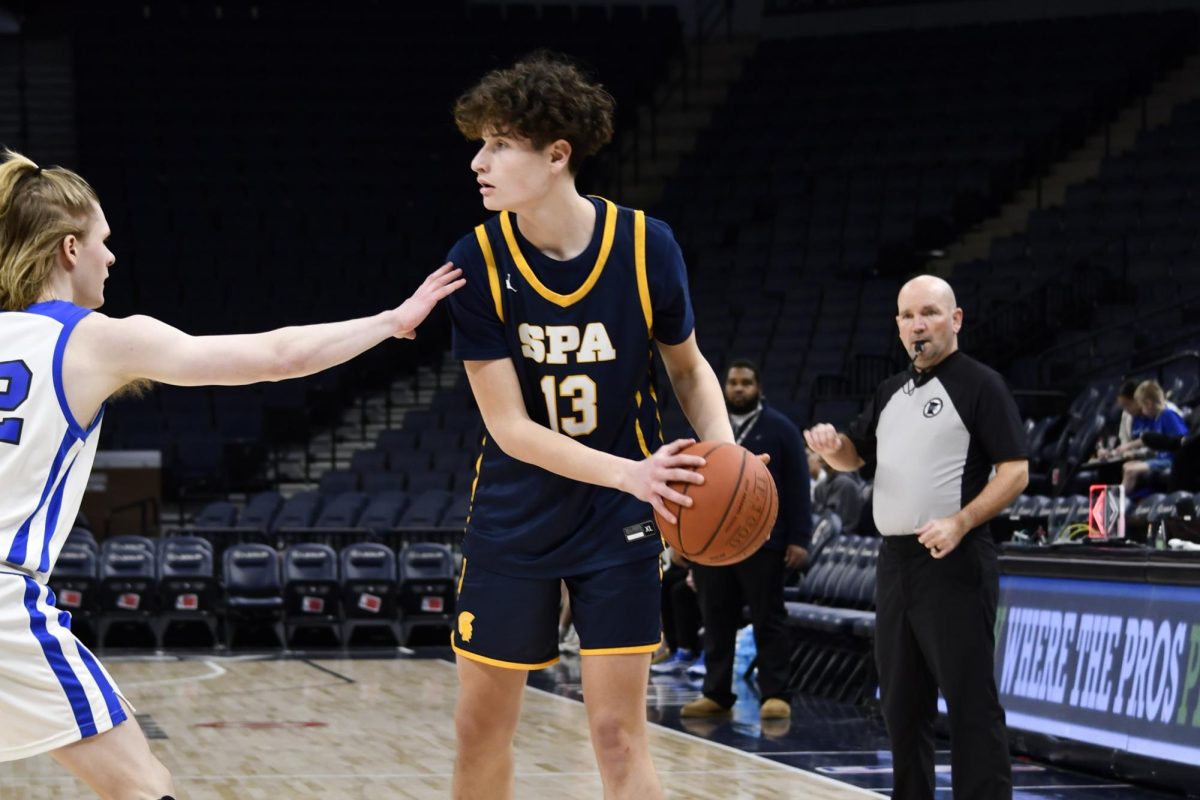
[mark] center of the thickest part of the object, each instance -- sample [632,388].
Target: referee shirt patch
[933,407]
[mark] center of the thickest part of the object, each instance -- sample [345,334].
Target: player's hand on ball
[440,283]
[823,439]
[647,479]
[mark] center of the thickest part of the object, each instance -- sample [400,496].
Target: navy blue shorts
[513,622]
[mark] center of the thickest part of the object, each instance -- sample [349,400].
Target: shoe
[704,707]
[775,708]
[660,655]
[697,669]
[679,661]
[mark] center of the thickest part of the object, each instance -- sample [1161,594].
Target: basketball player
[566,298]
[59,363]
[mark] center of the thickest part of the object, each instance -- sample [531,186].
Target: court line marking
[542,774]
[215,670]
[778,765]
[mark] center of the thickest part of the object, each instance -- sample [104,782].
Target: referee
[935,433]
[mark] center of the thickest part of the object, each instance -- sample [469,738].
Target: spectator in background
[1158,418]
[757,581]
[1129,410]
[681,618]
[839,492]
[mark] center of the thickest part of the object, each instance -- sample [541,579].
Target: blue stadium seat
[342,511]
[253,590]
[260,510]
[311,590]
[187,586]
[426,587]
[369,589]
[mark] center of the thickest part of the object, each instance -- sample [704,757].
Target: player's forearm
[1010,480]
[700,397]
[304,350]
[526,440]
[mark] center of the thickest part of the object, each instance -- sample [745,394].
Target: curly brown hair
[542,98]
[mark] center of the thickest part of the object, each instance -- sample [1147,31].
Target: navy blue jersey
[580,336]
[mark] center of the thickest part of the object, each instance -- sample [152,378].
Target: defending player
[59,363]
[566,298]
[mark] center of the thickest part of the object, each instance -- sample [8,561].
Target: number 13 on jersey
[581,390]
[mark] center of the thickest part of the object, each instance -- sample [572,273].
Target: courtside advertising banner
[1106,663]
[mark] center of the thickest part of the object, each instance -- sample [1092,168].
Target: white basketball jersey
[45,454]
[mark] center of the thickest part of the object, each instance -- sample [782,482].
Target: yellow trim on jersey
[493,272]
[637,427]
[462,576]
[621,651]
[496,662]
[562,300]
[639,260]
[475,481]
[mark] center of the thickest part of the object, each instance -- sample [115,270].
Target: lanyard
[740,433]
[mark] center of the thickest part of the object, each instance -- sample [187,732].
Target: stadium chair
[299,511]
[374,483]
[253,590]
[426,587]
[369,589]
[426,509]
[128,586]
[337,482]
[383,511]
[260,511]
[342,511]
[311,591]
[187,586]
[218,514]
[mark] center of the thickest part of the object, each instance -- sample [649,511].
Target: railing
[1174,316]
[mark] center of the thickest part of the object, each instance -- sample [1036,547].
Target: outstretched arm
[106,353]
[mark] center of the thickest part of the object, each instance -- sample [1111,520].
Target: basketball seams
[768,521]
[733,496]
[679,513]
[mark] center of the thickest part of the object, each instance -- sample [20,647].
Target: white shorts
[53,691]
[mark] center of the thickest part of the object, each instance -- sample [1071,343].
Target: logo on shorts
[635,533]
[933,407]
[465,628]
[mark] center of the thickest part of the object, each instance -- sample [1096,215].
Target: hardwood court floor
[282,729]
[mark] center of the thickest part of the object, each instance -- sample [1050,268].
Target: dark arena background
[293,161]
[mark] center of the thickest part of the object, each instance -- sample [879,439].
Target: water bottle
[744,651]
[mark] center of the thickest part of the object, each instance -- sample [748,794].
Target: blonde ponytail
[38,209]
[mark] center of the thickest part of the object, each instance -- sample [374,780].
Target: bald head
[928,318]
[929,286]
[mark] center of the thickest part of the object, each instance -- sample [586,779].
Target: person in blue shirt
[567,299]
[758,581]
[1156,416]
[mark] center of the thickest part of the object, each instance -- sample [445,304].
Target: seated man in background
[839,492]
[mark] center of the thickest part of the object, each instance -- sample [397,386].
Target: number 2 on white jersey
[582,391]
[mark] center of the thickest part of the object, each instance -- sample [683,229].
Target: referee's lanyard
[741,431]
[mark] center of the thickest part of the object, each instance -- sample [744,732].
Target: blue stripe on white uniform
[52,648]
[20,546]
[52,512]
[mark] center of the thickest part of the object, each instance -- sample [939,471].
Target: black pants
[935,628]
[758,583]
[680,610]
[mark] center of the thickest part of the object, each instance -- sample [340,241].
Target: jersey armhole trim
[639,258]
[493,273]
[69,320]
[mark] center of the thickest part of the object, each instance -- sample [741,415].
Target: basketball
[733,511]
